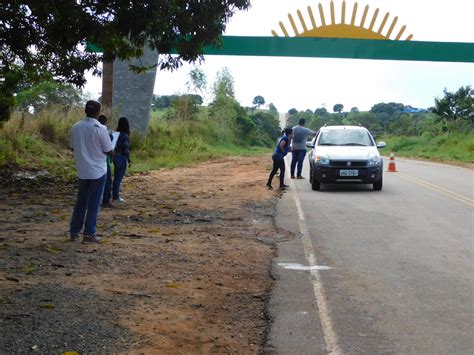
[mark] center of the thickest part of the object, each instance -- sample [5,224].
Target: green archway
[323,36]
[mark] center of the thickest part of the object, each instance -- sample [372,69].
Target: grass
[449,147]
[41,142]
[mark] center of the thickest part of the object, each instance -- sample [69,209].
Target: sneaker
[292,177]
[119,200]
[269,186]
[90,239]
[74,238]
[108,204]
[300,177]
[283,187]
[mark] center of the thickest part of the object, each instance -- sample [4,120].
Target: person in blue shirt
[278,156]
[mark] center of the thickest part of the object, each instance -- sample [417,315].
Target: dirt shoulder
[185,266]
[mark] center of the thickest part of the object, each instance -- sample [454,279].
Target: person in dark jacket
[121,157]
[278,158]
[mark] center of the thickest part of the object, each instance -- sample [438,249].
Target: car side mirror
[309,145]
[381,145]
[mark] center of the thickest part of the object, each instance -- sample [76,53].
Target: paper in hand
[115,136]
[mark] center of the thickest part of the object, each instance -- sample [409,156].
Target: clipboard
[115,136]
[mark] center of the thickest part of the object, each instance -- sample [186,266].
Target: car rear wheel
[378,185]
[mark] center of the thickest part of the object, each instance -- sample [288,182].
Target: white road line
[330,337]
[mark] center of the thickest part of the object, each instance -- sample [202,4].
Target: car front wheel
[315,184]
[378,185]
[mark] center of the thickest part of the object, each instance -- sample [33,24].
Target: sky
[309,83]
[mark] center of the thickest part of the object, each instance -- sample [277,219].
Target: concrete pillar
[132,93]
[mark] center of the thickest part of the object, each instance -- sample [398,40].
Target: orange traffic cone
[391,166]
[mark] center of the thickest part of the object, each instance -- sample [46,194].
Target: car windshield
[349,137]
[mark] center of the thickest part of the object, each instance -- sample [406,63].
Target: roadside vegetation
[183,131]
[443,132]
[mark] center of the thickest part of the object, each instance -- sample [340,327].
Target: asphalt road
[401,265]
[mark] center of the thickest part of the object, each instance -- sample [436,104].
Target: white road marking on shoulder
[294,266]
[330,337]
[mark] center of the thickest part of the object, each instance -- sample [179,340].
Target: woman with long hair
[278,156]
[121,157]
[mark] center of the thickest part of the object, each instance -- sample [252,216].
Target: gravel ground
[185,266]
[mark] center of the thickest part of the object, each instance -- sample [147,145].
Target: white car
[345,154]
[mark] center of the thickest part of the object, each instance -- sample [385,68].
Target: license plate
[348,172]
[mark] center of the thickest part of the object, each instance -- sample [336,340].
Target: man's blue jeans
[120,167]
[87,205]
[297,158]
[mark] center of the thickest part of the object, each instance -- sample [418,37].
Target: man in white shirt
[298,148]
[91,143]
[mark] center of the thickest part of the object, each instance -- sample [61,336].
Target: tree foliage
[166,101]
[268,129]
[272,108]
[338,108]
[258,101]
[51,35]
[321,111]
[388,108]
[48,93]
[15,80]
[457,105]
[224,84]
[197,80]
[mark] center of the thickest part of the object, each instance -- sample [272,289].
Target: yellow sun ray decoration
[320,28]
[356,33]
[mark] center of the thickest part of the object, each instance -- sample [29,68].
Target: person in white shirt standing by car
[90,143]
[298,148]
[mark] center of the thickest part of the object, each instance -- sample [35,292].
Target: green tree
[366,119]
[224,84]
[224,107]
[47,94]
[49,35]
[15,78]
[267,126]
[246,128]
[258,101]
[355,109]
[338,108]
[184,108]
[321,112]
[272,108]
[292,111]
[456,106]
[197,81]
[389,108]
[159,102]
